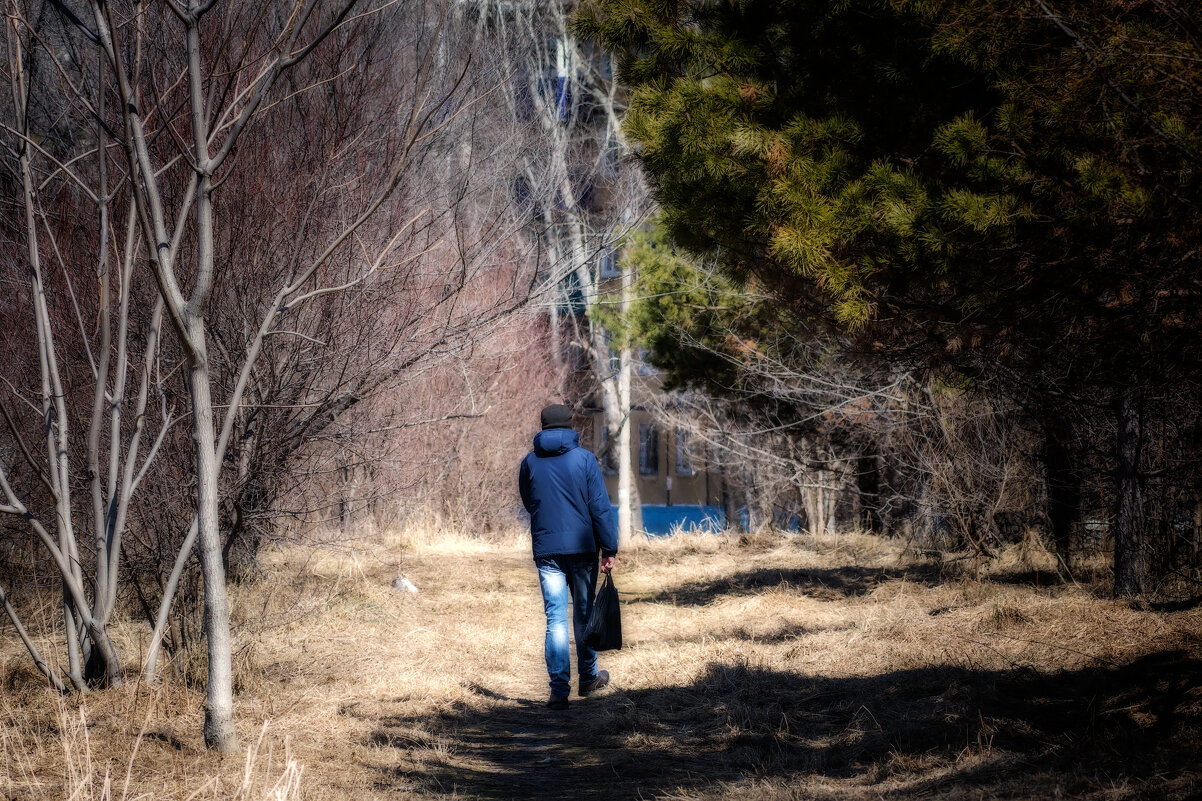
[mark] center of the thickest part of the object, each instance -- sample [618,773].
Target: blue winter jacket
[564,493]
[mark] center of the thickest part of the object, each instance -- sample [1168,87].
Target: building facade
[671,469]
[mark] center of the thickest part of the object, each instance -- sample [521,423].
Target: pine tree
[1006,191]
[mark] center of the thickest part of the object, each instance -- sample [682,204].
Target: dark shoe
[599,683]
[557,703]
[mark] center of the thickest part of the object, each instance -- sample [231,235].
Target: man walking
[570,520]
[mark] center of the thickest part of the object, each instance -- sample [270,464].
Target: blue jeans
[560,576]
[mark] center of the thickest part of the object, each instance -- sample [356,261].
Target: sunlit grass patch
[780,666]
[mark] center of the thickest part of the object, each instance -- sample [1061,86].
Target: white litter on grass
[404,585]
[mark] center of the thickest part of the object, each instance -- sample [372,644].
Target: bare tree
[583,195]
[803,435]
[122,380]
[178,92]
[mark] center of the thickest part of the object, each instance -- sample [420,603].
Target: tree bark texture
[219,730]
[630,505]
[868,486]
[1063,489]
[1130,536]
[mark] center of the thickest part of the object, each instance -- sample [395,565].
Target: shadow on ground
[1081,576]
[1130,731]
[824,584]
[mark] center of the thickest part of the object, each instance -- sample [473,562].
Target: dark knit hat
[557,416]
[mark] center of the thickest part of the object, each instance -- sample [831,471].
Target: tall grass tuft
[85,776]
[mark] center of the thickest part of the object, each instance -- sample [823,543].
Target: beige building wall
[671,482]
[673,477]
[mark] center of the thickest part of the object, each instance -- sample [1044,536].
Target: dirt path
[515,749]
[751,671]
[491,737]
[778,668]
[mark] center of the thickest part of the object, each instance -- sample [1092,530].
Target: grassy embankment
[771,667]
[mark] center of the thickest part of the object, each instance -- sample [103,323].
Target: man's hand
[607,563]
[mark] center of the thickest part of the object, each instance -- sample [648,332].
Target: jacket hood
[555,441]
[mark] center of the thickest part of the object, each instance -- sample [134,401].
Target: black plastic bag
[604,629]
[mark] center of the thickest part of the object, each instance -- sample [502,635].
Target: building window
[608,263]
[522,97]
[614,357]
[570,298]
[643,365]
[577,356]
[563,72]
[608,451]
[648,449]
[684,461]
[611,155]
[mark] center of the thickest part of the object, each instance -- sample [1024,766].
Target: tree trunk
[811,506]
[830,499]
[630,505]
[162,619]
[1063,488]
[1130,540]
[560,364]
[868,488]
[53,405]
[734,521]
[219,730]
[755,518]
[1196,534]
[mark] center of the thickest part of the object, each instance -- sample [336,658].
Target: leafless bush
[971,472]
[293,211]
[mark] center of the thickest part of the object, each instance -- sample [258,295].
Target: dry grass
[763,667]
[54,758]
